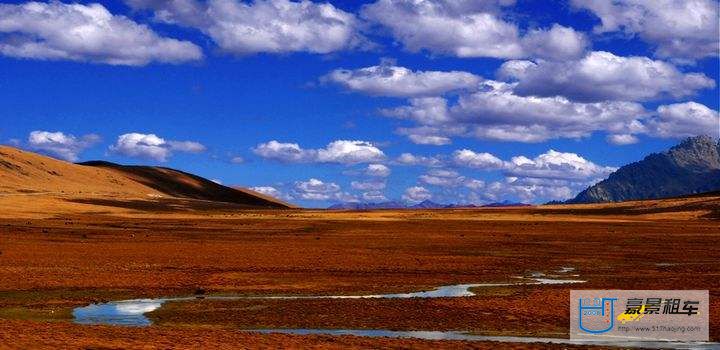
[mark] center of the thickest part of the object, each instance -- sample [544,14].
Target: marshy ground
[50,264]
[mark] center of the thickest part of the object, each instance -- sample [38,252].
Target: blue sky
[318,103]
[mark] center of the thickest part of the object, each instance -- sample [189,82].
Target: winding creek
[132,313]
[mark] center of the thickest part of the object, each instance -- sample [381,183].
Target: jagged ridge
[691,167]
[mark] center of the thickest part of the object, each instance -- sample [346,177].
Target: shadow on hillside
[176,183]
[163,205]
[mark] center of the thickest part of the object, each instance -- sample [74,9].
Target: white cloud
[475,160]
[88,33]
[468,29]
[390,80]
[683,120]
[186,146]
[622,139]
[368,185]
[529,192]
[495,112]
[474,184]
[686,29]
[373,196]
[58,144]
[411,159]
[268,190]
[317,190]
[349,152]
[341,151]
[557,165]
[377,170]
[549,165]
[429,110]
[442,178]
[272,26]
[557,43]
[151,146]
[603,76]
[549,176]
[420,139]
[284,152]
[237,160]
[552,175]
[416,194]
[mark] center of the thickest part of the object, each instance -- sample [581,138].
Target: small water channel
[132,312]
[455,335]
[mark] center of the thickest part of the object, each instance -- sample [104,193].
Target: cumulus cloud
[495,112]
[315,189]
[377,170]
[431,110]
[268,190]
[388,79]
[474,184]
[468,29]
[551,175]
[622,139]
[186,146]
[556,43]
[151,146]
[318,190]
[368,185]
[557,165]
[529,191]
[471,159]
[58,144]
[418,136]
[683,120]
[442,178]
[416,194]
[411,159]
[685,29]
[601,76]
[373,196]
[88,33]
[272,26]
[341,151]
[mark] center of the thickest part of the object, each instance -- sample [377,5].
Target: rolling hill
[27,173]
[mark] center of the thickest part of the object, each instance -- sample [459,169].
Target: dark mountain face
[427,204]
[693,166]
[506,203]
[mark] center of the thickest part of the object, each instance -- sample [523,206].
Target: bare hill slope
[27,173]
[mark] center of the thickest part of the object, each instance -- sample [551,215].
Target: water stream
[132,312]
[456,335]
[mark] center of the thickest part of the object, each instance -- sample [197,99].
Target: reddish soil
[50,263]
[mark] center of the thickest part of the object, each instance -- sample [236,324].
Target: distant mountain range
[691,167]
[427,204]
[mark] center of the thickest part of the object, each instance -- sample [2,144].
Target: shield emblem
[596,314]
